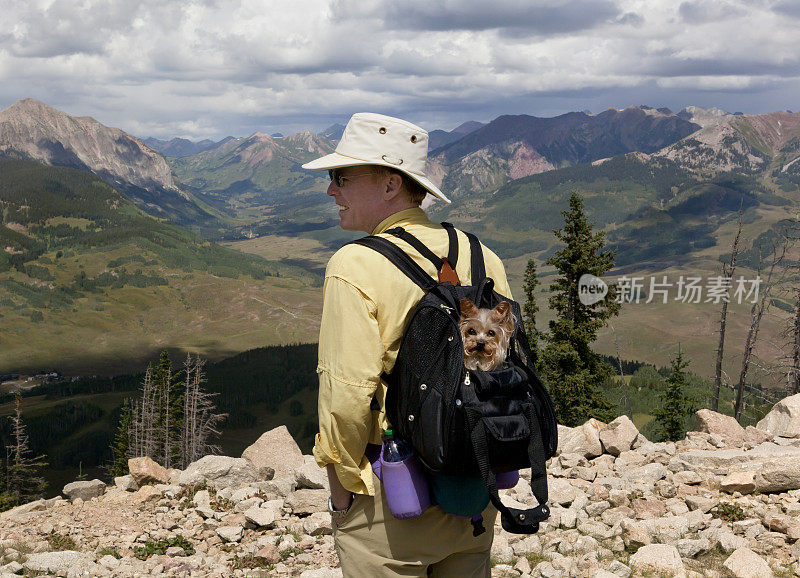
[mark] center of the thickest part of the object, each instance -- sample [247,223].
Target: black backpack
[461,422]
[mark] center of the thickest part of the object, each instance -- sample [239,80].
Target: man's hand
[340,497]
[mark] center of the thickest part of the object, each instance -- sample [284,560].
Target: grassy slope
[195,295]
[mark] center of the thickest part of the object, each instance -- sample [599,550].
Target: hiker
[378,182]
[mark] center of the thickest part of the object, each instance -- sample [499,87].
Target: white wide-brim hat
[376,139]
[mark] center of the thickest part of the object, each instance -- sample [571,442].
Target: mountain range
[182,147]
[30,129]
[664,187]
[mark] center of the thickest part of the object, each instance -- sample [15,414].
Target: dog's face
[485,334]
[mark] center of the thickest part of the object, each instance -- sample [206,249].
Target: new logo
[591,289]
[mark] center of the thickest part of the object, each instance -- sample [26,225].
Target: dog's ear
[502,313]
[467,308]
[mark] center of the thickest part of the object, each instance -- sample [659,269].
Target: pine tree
[22,481]
[676,406]
[121,448]
[573,371]
[530,309]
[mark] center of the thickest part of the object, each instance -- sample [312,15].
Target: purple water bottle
[507,480]
[404,481]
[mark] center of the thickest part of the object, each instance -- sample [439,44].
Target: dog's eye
[490,333]
[471,331]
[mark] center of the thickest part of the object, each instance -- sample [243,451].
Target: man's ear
[393,186]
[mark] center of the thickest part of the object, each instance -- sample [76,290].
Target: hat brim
[337,161]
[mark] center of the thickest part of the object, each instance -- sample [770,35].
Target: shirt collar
[402,218]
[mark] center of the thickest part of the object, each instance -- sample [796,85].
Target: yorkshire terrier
[485,334]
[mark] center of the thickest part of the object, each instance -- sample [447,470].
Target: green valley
[91,284]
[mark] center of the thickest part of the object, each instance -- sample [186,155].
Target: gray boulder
[784,418]
[583,440]
[310,476]
[220,471]
[306,502]
[55,562]
[744,563]
[126,483]
[724,426]
[724,461]
[85,490]
[660,559]
[780,475]
[619,435]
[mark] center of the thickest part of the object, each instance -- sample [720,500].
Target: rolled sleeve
[350,364]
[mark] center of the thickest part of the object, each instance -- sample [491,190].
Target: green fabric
[459,495]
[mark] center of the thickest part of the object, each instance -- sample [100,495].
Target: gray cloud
[547,18]
[700,11]
[789,8]
[216,67]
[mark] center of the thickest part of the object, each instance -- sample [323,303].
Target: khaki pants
[371,543]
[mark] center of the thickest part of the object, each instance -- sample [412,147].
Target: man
[378,182]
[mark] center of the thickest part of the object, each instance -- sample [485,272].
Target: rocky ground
[725,501]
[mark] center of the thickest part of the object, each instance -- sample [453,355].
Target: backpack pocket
[507,439]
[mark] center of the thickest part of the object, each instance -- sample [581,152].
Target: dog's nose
[481,345]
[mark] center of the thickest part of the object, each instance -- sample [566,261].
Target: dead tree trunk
[794,380]
[727,271]
[756,313]
[166,419]
[200,420]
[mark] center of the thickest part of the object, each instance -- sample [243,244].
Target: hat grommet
[382,130]
[413,138]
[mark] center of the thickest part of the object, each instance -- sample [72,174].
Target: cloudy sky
[209,68]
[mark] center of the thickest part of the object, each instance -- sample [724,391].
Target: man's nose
[332,188]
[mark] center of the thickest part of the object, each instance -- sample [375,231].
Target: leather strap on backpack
[445,266]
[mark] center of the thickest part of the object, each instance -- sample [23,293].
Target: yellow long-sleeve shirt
[366,304]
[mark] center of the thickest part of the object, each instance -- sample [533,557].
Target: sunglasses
[340,180]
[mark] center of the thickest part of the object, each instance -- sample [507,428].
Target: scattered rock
[318,524]
[306,502]
[561,492]
[219,471]
[55,562]
[85,490]
[583,440]
[145,471]
[268,554]
[742,482]
[126,483]
[724,426]
[784,418]
[261,517]
[779,475]
[659,559]
[275,450]
[744,563]
[618,436]
[230,533]
[310,476]
[756,436]
[789,525]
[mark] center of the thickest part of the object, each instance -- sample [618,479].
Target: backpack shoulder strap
[477,265]
[401,233]
[452,251]
[399,259]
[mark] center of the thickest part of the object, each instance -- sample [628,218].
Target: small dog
[485,334]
